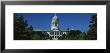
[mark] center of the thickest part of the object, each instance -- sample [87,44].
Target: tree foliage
[20,28]
[40,36]
[71,35]
[92,31]
[24,32]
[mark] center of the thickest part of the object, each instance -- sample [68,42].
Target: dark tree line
[40,36]
[74,35]
[91,34]
[92,31]
[22,31]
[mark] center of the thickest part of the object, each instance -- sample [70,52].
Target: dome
[55,18]
[54,23]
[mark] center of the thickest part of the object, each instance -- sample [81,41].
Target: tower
[55,32]
[54,23]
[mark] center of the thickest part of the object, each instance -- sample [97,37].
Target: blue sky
[42,21]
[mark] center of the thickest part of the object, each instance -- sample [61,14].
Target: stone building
[55,32]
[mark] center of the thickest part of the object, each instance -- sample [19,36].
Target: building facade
[55,32]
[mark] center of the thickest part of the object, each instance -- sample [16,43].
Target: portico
[55,32]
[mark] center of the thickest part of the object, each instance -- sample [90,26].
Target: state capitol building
[55,33]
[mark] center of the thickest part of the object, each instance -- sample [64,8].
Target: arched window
[60,33]
[52,36]
[57,33]
[50,33]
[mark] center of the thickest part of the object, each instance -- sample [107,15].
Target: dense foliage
[22,31]
[91,34]
[92,31]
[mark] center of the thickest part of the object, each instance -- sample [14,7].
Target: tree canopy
[92,31]
[22,31]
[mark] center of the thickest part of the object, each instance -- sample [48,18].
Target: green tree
[82,36]
[92,31]
[29,33]
[38,35]
[72,35]
[21,29]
